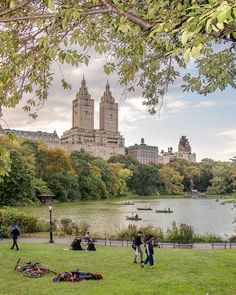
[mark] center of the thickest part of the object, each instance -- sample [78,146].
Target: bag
[133,245]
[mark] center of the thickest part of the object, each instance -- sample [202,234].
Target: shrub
[132,230]
[26,223]
[69,227]
[182,234]
[207,238]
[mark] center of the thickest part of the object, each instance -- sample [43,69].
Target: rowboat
[164,211]
[145,208]
[133,218]
[128,203]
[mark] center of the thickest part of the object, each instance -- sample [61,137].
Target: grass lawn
[177,272]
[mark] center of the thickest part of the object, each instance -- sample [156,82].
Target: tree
[18,186]
[121,175]
[172,180]
[193,173]
[145,180]
[51,161]
[150,41]
[65,186]
[220,182]
[206,167]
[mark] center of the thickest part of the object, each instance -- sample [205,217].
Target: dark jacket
[149,248]
[15,232]
[138,241]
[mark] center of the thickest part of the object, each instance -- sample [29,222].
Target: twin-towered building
[105,141]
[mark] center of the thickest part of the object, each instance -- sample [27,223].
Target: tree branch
[130,16]
[19,6]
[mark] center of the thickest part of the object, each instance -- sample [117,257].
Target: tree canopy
[146,42]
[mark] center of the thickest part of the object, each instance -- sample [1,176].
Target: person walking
[149,244]
[137,246]
[15,232]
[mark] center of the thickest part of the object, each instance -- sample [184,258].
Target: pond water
[205,215]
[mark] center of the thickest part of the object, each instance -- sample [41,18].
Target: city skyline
[208,122]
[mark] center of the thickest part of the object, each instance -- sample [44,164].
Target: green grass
[177,272]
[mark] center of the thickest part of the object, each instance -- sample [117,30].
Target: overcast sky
[208,122]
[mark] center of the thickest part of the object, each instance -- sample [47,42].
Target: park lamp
[50,224]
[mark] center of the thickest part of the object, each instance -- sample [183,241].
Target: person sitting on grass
[91,246]
[76,245]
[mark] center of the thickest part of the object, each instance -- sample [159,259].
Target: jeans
[138,251]
[15,244]
[150,260]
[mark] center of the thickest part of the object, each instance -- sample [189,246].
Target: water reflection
[106,218]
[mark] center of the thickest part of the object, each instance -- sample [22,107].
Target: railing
[175,245]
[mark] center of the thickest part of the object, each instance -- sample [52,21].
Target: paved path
[67,241]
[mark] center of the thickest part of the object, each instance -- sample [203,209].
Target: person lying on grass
[76,276]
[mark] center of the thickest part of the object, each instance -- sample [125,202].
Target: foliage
[41,187]
[32,168]
[182,233]
[27,223]
[65,186]
[206,168]
[5,162]
[149,40]
[220,184]
[206,238]
[172,180]
[132,230]
[18,186]
[145,180]
[51,161]
[69,227]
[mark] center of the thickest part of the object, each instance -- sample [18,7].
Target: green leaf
[50,4]
[223,16]
[195,52]
[12,4]
[187,55]
[185,37]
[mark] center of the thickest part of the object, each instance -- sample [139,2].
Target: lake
[205,215]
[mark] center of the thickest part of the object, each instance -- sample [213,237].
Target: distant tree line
[29,169]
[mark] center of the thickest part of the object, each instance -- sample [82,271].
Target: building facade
[103,142]
[51,139]
[143,153]
[184,152]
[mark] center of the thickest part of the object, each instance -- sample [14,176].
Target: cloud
[206,104]
[173,104]
[230,134]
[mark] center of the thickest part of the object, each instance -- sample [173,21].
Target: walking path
[67,241]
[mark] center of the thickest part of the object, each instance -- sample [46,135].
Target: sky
[209,122]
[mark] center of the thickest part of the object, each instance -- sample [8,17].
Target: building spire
[83,91]
[107,96]
[83,83]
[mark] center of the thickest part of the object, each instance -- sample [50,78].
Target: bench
[185,246]
[232,245]
[219,245]
[167,245]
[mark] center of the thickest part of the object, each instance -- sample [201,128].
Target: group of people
[149,244]
[76,244]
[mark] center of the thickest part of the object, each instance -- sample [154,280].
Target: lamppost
[50,223]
